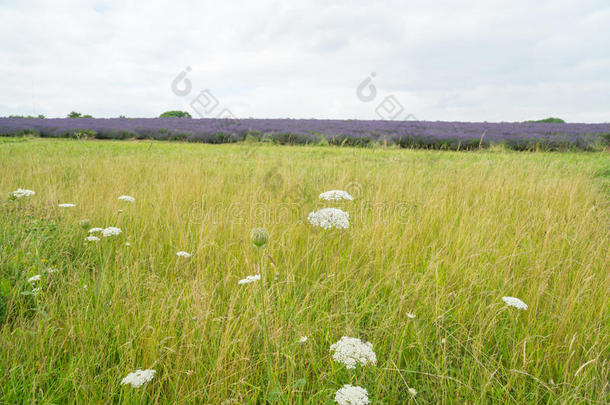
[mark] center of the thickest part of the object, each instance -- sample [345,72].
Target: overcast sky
[487,60]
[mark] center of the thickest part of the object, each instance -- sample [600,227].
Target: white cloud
[447,60]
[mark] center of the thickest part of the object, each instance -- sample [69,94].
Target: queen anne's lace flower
[138,378]
[93,238]
[352,395]
[259,237]
[21,192]
[410,315]
[249,279]
[94,230]
[34,278]
[127,198]
[335,195]
[66,205]
[353,351]
[329,218]
[111,231]
[183,254]
[303,339]
[515,302]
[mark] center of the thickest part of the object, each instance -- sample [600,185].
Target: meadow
[435,240]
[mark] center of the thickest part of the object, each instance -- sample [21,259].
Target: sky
[487,60]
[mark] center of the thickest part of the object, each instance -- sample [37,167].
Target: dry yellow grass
[441,235]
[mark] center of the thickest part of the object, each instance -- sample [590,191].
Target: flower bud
[259,236]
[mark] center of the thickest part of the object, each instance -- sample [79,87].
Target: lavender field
[407,134]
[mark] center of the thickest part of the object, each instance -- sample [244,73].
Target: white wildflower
[249,279]
[36,290]
[52,270]
[329,218]
[335,195]
[21,192]
[127,244]
[183,254]
[111,231]
[85,286]
[303,339]
[34,278]
[94,230]
[66,205]
[353,351]
[410,315]
[352,395]
[127,198]
[93,238]
[515,302]
[412,391]
[138,378]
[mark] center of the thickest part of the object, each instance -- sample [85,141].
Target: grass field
[441,235]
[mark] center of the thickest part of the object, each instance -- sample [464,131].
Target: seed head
[259,236]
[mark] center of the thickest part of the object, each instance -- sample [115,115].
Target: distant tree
[175,114]
[550,120]
[41,116]
[75,114]
[122,116]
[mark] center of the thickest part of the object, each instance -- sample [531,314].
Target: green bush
[175,114]
[550,120]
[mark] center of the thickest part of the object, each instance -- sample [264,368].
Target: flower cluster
[127,198]
[353,351]
[329,218]
[111,231]
[94,230]
[138,378]
[515,302]
[21,192]
[183,254]
[249,279]
[93,238]
[336,195]
[66,205]
[352,395]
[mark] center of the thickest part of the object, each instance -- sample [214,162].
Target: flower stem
[270,374]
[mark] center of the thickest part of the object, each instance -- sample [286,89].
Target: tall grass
[442,235]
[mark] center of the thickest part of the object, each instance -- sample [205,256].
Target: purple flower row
[424,134]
